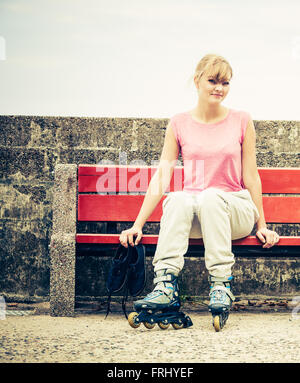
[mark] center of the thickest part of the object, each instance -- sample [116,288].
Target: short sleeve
[245,117]
[175,128]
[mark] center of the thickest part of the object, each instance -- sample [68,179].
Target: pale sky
[134,58]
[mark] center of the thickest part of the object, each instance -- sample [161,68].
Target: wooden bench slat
[282,209]
[280,180]
[119,208]
[118,179]
[123,208]
[151,239]
[110,178]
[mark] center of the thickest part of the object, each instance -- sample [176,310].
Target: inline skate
[161,306]
[221,299]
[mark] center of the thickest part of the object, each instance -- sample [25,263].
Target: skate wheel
[132,320]
[216,323]
[149,325]
[163,326]
[177,326]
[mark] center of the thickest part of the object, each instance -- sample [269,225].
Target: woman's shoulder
[241,113]
[179,117]
[179,114]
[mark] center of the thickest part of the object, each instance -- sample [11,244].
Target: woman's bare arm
[157,187]
[252,182]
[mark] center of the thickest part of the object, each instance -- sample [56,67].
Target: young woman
[221,199]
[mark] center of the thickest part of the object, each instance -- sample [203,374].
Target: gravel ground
[246,337]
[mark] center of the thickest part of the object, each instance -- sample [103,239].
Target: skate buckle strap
[162,278]
[212,278]
[163,289]
[226,289]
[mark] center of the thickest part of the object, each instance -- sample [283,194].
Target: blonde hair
[215,66]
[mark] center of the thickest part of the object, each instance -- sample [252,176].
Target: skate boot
[221,299]
[161,306]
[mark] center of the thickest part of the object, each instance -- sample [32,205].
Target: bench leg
[62,275]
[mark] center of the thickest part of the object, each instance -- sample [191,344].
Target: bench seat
[151,239]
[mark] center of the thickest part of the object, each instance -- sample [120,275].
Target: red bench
[121,199]
[114,194]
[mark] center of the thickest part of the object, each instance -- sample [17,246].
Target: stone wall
[30,149]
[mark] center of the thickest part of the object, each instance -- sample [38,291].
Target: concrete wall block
[65,198]
[62,274]
[270,276]
[252,276]
[21,164]
[278,160]
[24,257]
[25,202]
[278,136]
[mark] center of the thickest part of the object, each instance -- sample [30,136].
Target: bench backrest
[115,193]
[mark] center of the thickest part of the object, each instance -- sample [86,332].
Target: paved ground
[247,337]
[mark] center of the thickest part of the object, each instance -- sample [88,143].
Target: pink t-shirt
[211,153]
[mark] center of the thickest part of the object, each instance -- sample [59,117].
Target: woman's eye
[214,82]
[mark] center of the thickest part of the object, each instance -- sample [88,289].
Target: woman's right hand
[126,236]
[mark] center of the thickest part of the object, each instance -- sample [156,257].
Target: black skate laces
[124,300]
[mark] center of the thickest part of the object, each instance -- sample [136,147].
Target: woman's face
[211,90]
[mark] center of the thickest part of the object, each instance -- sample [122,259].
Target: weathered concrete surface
[62,276]
[64,204]
[63,242]
[30,147]
[246,338]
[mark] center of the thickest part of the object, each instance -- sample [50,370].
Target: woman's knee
[178,203]
[212,198]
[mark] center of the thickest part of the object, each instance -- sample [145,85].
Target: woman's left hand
[268,237]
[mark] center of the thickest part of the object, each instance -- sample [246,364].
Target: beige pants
[214,215]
